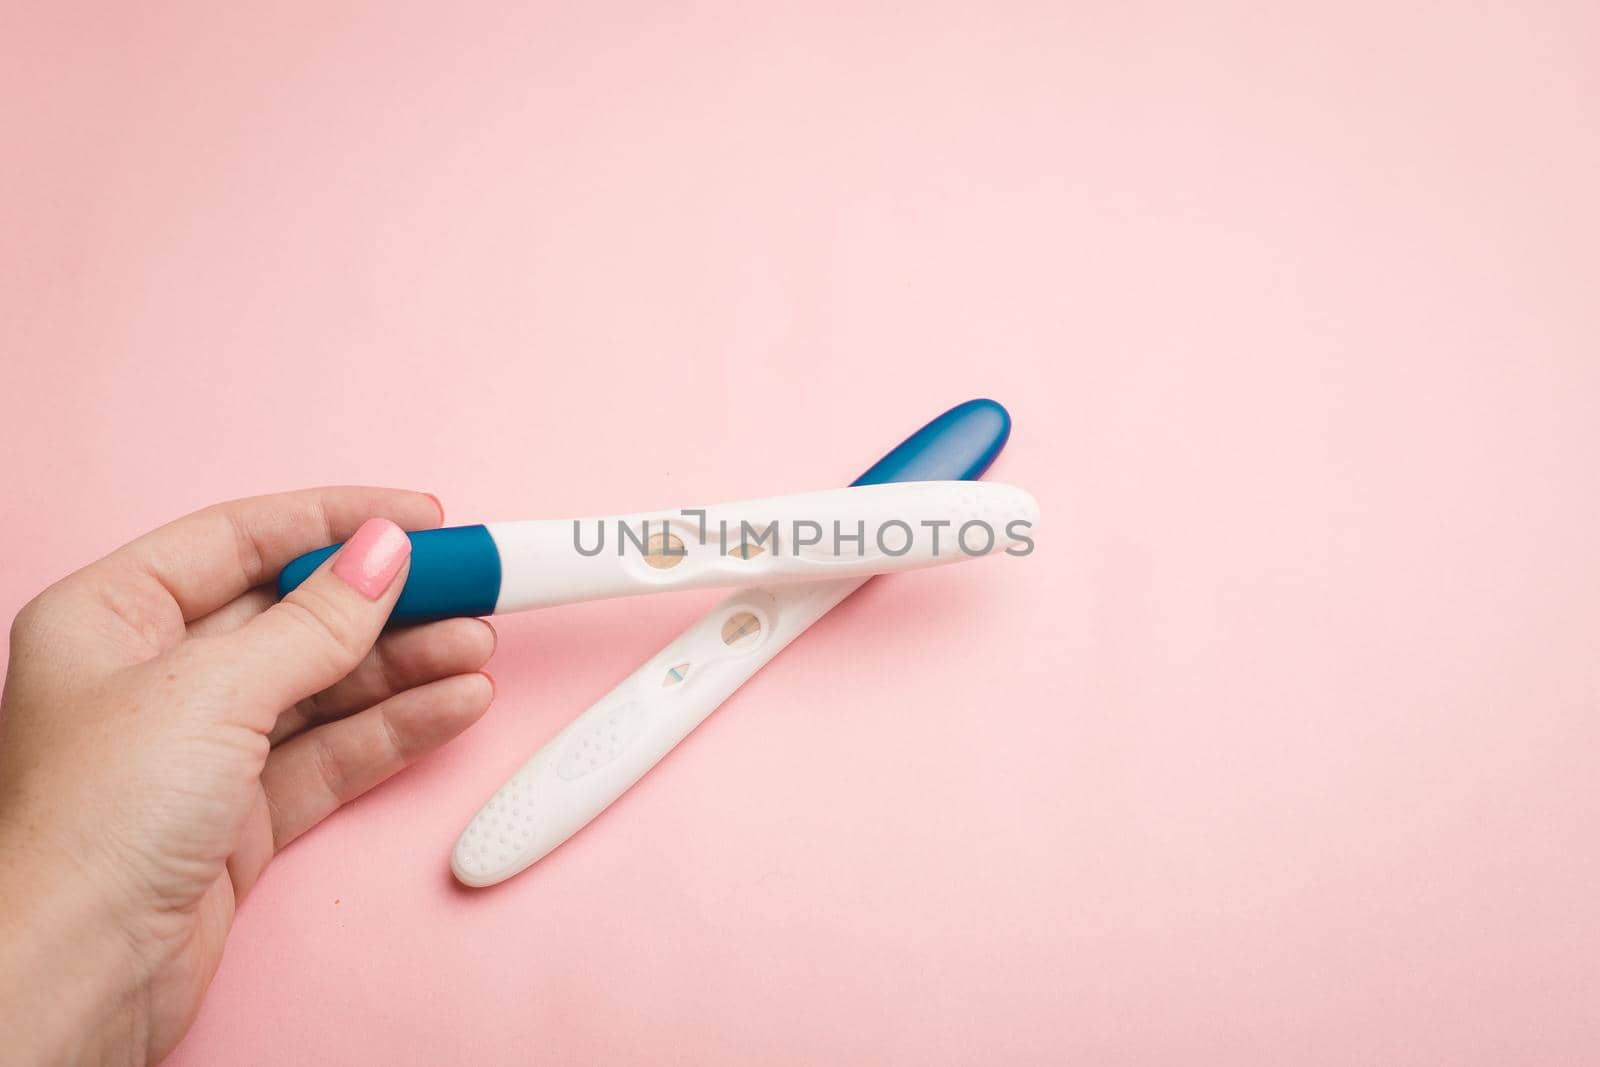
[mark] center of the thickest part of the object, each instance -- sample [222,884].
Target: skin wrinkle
[397,746]
[276,820]
[386,673]
[148,621]
[252,561]
[330,771]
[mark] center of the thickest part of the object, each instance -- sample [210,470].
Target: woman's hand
[166,728]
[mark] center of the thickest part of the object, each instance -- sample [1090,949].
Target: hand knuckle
[330,768]
[36,614]
[321,619]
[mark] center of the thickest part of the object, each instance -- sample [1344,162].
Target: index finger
[206,559]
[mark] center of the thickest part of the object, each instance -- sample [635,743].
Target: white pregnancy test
[835,533]
[600,754]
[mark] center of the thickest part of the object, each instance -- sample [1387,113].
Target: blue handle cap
[957,446]
[454,571]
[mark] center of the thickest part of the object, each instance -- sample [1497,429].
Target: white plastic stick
[806,537]
[602,752]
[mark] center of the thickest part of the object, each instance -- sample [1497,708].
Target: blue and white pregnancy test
[602,752]
[836,533]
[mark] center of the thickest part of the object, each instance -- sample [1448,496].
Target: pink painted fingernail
[369,561]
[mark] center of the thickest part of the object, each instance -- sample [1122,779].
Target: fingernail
[369,561]
[436,503]
[493,689]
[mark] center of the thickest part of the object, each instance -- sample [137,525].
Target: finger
[317,634]
[310,776]
[235,613]
[206,559]
[399,661]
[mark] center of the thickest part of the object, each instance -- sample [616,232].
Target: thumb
[319,632]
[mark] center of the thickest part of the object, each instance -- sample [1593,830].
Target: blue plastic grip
[957,446]
[454,571]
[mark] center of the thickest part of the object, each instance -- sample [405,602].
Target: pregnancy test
[502,567]
[600,754]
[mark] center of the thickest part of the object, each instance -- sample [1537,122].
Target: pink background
[1281,749]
